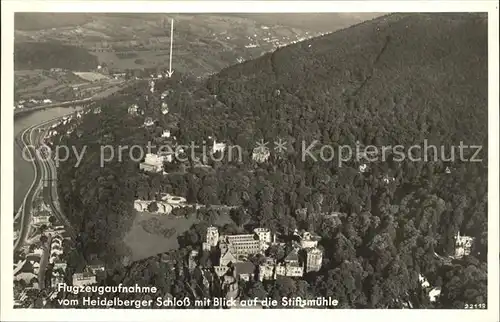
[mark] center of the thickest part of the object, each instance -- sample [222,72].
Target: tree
[43,239]
[43,228]
[464,285]
[22,283]
[283,287]
[239,216]
[153,207]
[256,290]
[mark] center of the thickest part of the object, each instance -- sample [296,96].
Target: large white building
[82,279]
[165,206]
[291,266]
[142,205]
[267,269]
[314,259]
[41,220]
[59,264]
[307,239]
[212,238]
[152,163]
[264,234]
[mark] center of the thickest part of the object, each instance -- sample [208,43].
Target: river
[23,170]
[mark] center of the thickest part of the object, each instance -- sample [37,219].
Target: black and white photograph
[295,161]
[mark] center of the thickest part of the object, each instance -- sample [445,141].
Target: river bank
[23,170]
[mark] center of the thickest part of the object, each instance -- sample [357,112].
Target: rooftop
[244,268]
[228,256]
[293,256]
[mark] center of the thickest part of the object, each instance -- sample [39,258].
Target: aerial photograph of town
[250,160]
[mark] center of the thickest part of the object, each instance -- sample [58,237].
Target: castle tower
[463,245]
[212,236]
[264,234]
[314,259]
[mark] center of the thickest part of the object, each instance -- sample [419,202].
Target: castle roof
[293,256]
[228,257]
[244,268]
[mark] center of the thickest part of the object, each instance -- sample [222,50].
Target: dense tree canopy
[397,80]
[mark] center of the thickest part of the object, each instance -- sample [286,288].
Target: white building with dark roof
[218,147]
[132,110]
[96,266]
[152,163]
[41,220]
[165,134]
[260,154]
[164,108]
[148,121]
[82,279]
[314,259]
[290,270]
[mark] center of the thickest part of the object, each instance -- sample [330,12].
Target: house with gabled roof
[293,257]
[227,258]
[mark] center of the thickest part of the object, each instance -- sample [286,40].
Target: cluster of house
[269,38]
[463,247]
[58,265]
[235,251]
[133,110]
[41,214]
[29,269]
[32,102]
[55,248]
[69,121]
[259,154]
[432,292]
[153,162]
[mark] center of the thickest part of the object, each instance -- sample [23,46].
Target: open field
[144,244]
[90,76]
[46,20]
[203,43]
[41,84]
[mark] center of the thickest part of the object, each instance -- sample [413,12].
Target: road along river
[23,169]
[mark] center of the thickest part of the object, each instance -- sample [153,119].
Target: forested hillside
[38,55]
[397,80]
